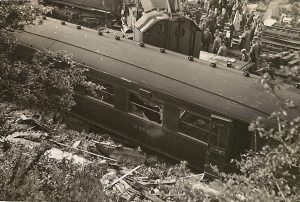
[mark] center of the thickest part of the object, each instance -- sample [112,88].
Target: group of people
[224,19]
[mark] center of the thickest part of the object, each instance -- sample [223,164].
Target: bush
[47,83]
[28,174]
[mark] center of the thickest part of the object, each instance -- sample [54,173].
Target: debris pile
[131,175]
[150,183]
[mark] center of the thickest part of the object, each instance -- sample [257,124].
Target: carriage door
[218,150]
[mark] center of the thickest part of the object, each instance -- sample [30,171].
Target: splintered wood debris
[127,176]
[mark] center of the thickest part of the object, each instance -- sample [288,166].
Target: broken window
[194,125]
[146,108]
[220,131]
[102,91]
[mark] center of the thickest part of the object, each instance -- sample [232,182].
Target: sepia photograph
[150,100]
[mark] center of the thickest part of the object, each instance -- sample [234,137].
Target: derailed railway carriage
[162,100]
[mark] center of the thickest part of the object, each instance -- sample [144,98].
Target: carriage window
[195,125]
[220,133]
[102,91]
[146,108]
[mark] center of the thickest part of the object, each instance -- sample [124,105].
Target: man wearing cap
[245,56]
[257,38]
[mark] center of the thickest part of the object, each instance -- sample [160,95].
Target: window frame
[206,132]
[99,82]
[160,113]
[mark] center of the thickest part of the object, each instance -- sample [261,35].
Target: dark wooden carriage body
[184,109]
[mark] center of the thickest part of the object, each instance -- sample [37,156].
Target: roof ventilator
[213,64]
[229,64]
[142,44]
[297,85]
[162,50]
[246,74]
[190,58]
[100,33]
[44,18]
[63,22]
[78,27]
[117,38]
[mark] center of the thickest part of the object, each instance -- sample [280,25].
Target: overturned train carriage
[184,109]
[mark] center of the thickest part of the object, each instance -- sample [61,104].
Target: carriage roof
[221,89]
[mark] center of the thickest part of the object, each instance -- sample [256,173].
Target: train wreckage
[177,105]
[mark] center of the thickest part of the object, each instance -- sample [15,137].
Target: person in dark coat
[220,23]
[211,22]
[224,15]
[250,19]
[216,44]
[231,32]
[254,53]
[229,7]
[198,15]
[207,38]
[245,40]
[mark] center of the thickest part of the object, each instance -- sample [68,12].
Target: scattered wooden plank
[157,182]
[123,194]
[65,145]
[117,180]
[76,144]
[122,154]
[191,176]
[131,197]
[125,184]
[120,188]
[294,62]
[152,197]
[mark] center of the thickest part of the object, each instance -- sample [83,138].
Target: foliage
[27,172]
[47,83]
[273,172]
[31,175]
[14,15]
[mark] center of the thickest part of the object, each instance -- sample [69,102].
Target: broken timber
[104,157]
[117,180]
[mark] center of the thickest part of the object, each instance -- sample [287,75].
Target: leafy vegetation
[48,83]
[273,172]
[28,174]
[44,83]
